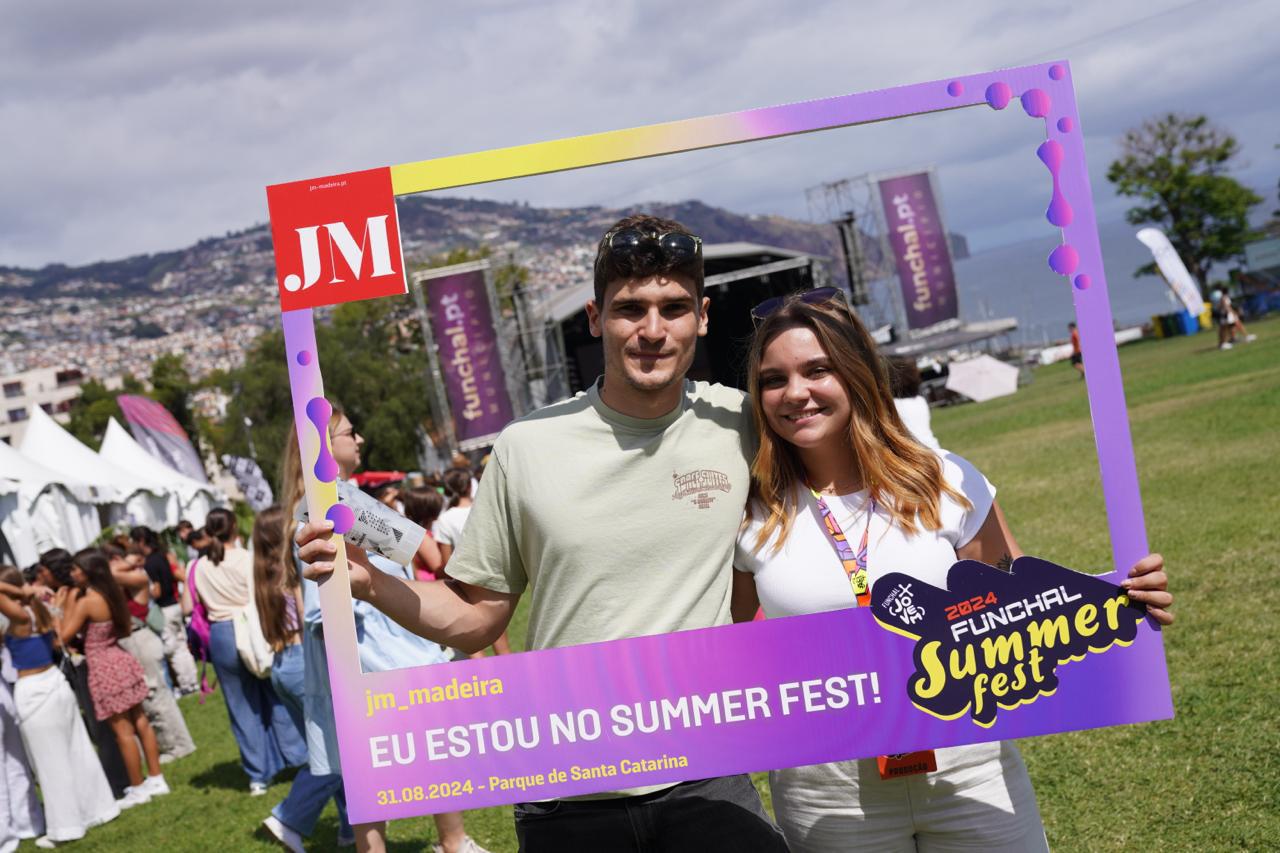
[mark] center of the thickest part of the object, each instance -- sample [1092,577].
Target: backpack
[198,637]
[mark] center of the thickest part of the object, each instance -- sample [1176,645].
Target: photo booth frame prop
[782,692]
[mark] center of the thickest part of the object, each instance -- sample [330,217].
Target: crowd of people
[89,685]
[100,645]
[820,453]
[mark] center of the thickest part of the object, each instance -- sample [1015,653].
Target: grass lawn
[1206,427]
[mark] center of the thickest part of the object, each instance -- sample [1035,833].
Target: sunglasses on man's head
[817,296]
[676,247]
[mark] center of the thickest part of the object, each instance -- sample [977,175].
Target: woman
[458,489]
[116,681]
[423,506]
[913,409]
[278,594]
[831,442]
[263,729]
[383,644]
[164,590]
[53,574]
[448,528]
[147,648]
[21,816]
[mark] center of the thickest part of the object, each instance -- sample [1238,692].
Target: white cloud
[132,127]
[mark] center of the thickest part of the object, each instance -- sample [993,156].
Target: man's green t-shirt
[617,526]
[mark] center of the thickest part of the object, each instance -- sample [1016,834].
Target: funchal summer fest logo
[995,639]
[922,667]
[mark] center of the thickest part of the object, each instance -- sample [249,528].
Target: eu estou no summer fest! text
[584,725]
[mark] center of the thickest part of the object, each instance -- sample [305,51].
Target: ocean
[1015,281]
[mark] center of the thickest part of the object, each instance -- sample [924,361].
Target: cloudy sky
[132,127]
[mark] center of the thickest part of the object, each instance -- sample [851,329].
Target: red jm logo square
[337,239]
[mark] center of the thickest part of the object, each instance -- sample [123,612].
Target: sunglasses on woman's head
[817,296]
[676,247]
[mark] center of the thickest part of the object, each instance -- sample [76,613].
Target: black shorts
[1077,358]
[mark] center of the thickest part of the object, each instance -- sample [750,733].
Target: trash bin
[1175,324]
[1187,323]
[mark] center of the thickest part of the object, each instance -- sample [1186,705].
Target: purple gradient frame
[552,681]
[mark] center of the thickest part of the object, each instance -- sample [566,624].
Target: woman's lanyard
[855,567]
[855,564]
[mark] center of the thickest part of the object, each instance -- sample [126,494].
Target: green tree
[371,355]
[95,406]
[373,365]
[258,390]
[1176,166]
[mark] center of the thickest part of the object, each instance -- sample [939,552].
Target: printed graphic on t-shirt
[697,486]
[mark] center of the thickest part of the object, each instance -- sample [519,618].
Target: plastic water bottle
[377,527]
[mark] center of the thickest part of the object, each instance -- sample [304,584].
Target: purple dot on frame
[955,88]
[1036,102]
[319,412]
[304,357]
[998,95]
[1057,72]
[1064,259]
[1082,282]
[1066,125]
[342,518]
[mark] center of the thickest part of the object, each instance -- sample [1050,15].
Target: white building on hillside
[49,388]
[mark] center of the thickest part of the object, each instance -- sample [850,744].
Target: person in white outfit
[833,451]
[913,409]
[20,814]
[77,796]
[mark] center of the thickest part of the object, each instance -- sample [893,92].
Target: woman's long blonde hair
[901,474]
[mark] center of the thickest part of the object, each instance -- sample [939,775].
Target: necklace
[837,489]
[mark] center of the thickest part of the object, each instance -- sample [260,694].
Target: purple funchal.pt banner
[1035,650]
[920,252]
[161,435]
[462,325]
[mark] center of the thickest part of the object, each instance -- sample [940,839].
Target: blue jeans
[264,731]
[309,793]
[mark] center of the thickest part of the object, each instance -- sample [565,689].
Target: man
[1229,324]
[583,504]
[1077,359]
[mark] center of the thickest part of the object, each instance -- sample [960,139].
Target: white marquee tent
[42,509]
[136,499]
[195,499]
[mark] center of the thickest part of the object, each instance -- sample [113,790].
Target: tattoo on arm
[1005,563]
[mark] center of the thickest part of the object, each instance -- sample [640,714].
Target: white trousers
[20,813]
[980,798]
[76,793]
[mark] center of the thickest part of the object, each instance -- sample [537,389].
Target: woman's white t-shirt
[805,575]
[980,794]
[915,415]
[448,527]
